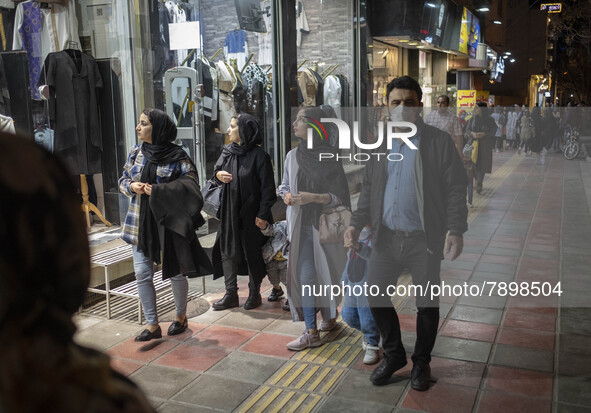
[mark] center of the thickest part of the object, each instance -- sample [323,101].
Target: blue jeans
[144,274]
[357,314]
[306,271]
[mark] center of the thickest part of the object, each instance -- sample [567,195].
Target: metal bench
[129,290]
[115,256]
[106,259]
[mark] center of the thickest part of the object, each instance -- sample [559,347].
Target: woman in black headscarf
[308,186]
[44,273]
[248,192]
[163,214]
[481,128]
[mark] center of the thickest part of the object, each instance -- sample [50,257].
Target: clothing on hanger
[236,47]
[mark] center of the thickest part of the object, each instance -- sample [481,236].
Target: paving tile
[192,328]
[192,357]
[570,408]
[210,316]
[125,367]
[519,382]
[171,407]
[408,322]
[451,371]
[523,337]
[469,330]
[576,313]
[468,256]
[256,320]
[575,390]
[338,405]
[527,320]
[207,390]
[286,327]
[507,252]
[461,349]
[450,273]
[575,343]
[269,344]
[575,325]
[442,398]
[162,381]
[522,357]
[485,301]
[249,367]
[458,265]
[143,352]
[356,385]
[476,314]
[491,402]
[221,336]
[499,259]
[274,307]
[496,268]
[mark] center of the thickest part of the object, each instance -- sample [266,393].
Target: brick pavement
[498,353]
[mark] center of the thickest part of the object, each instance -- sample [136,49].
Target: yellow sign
[464,32]
[551,7]
[482,96]
[465,104]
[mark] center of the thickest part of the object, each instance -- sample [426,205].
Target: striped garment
[132,172]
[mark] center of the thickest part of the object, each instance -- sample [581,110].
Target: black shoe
[381,375]
[177,328]
[479,189]
[420,377]
[275,294]
[286,306]
[254,299]
[229,300]
[146,335]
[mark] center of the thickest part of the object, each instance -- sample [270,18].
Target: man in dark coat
[411,205]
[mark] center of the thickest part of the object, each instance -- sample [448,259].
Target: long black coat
[257,194]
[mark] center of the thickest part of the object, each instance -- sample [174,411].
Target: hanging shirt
[236,47]
[332,94]
[266,40]
[301,23]
[177,15]
[43,31]
[8,4]
[226,82]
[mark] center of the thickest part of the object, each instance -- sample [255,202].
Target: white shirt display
[53,38]
[177,15]
[265,40]
[332,94]
[301,22]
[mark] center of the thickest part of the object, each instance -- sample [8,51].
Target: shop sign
[482,96]
[465,104]
[551,7]
[469,34]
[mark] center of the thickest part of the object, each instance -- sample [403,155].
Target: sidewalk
[498,353]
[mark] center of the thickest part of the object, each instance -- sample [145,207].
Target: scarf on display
[160,152]
[318,177]
[250,137]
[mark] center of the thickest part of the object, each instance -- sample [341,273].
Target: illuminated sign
[551,7]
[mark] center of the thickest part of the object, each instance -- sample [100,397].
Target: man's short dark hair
[404,82]
[444,97]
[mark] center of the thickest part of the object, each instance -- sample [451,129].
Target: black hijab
[250,137]
[160,152]
[316,176]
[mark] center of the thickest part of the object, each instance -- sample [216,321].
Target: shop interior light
[497,22]
[403,41]
[432,5]
[483,9]
[508,53]
[512,60]
[413,44]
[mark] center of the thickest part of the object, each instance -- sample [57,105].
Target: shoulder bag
[212,197]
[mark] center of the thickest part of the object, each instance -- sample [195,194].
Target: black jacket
[177,208]
[257,194]
[443,186]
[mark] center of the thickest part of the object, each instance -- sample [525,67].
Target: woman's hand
[148,189]
[288,199]
[304,198]
[138,187]
[261,223]
[223,176]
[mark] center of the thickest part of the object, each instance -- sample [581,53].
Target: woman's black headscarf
[160,152]
[316,176]
[482,122]
[250,136]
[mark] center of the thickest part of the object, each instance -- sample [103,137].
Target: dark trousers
[396,253]
[231,269]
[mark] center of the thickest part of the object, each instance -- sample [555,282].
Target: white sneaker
[372,355]
[305,341]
